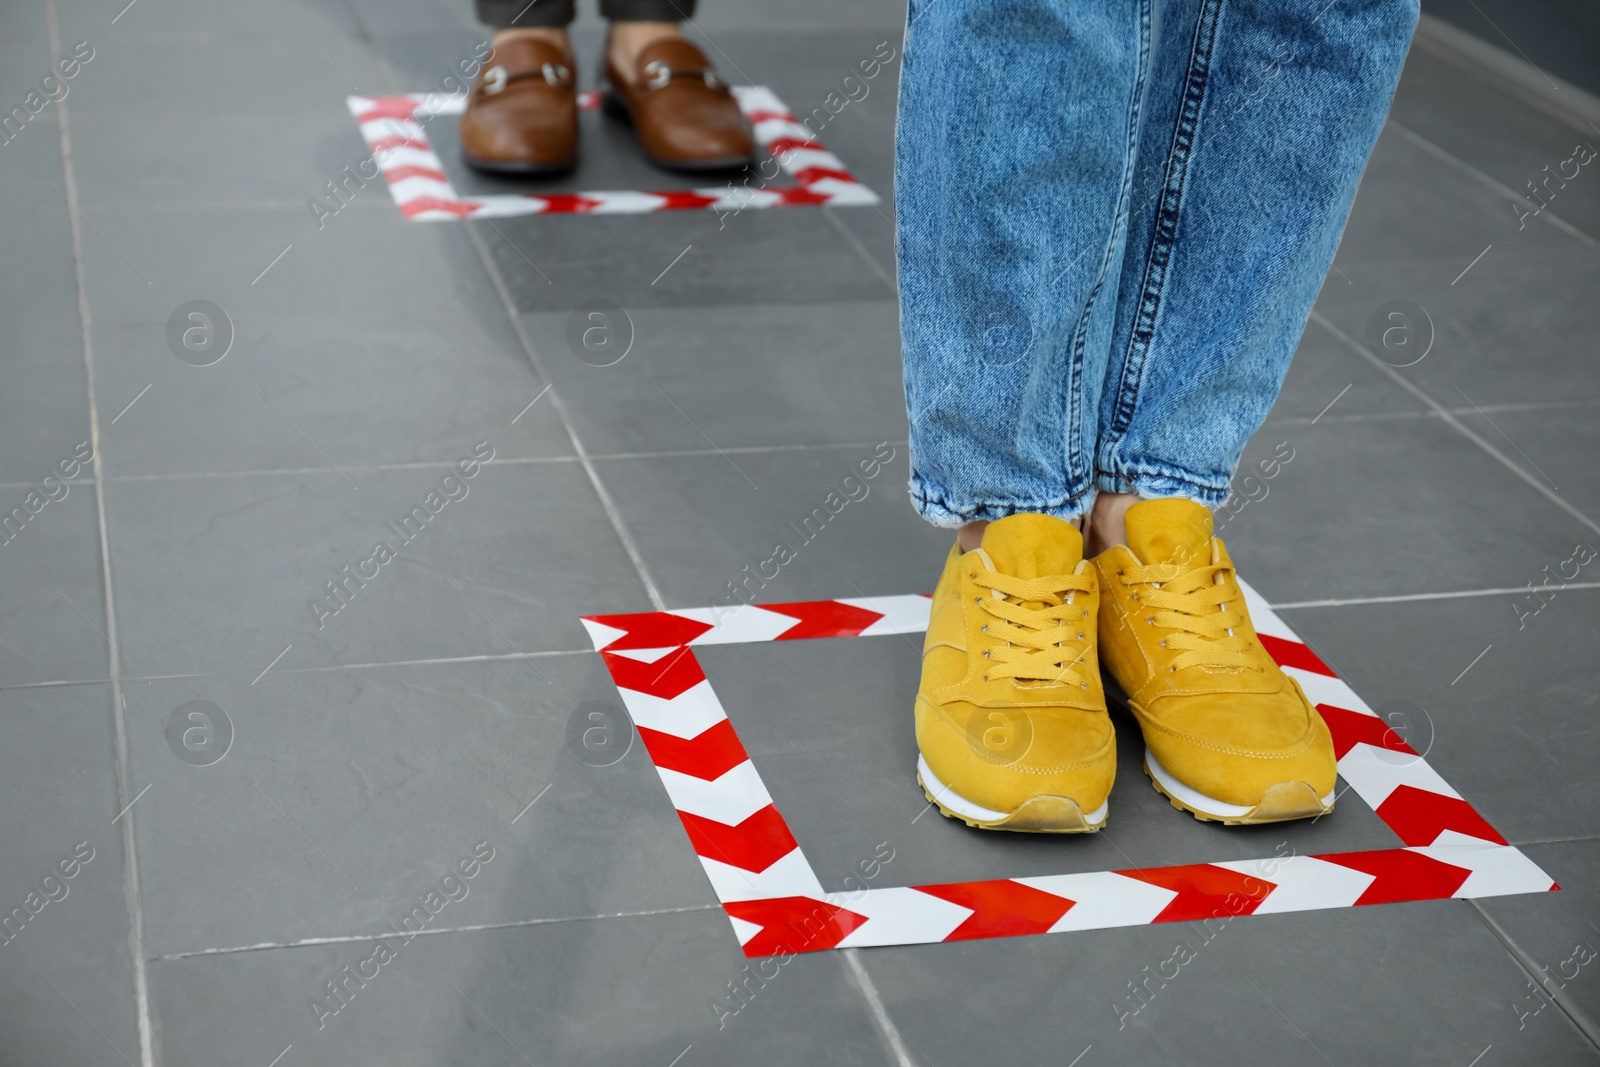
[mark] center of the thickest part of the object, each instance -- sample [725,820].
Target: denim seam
[1076,461]
[924,502]
[1166,223]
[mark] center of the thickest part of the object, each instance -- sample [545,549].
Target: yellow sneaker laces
[1040,643]
[1202,605]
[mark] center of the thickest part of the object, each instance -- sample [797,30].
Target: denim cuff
[933,504]
[1152,480]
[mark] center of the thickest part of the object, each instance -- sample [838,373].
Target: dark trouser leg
[504,14]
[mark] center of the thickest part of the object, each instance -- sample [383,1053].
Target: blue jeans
[1111,232]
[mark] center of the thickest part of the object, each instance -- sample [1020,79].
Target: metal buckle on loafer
[494,80]
[555,73]
[658,74]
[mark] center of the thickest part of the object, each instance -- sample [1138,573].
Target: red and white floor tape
[395,129]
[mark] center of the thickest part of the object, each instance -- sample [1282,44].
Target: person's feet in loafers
[522,116]
[683,112]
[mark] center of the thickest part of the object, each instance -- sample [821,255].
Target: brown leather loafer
[684,114]
[522,116]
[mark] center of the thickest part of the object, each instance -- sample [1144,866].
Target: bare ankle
[1103,526]
[556,35]
[970,536]
[628,39]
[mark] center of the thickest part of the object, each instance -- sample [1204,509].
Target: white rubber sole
[1045,814]
[1287,800]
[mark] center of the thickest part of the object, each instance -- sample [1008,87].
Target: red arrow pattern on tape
[1205,891]
[650,629]
[754,845]
[668,677]
[793,924]
[1401,875]
[1000,908]
[1294,654]
[1352,728]
[1419,817]
[823,618]
[708,757]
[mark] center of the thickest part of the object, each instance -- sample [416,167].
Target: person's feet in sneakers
[684,114]
[522,115]
[1228,736]
[1010,716]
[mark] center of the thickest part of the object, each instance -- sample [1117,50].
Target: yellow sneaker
[1011,718]
[1228,736]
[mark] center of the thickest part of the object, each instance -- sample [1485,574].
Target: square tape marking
[395,130]
[777,905]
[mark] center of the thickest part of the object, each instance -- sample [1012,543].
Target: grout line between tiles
[124,771]
[1461,165]
[1406,598]
[599,457]
[1574,1015]
[312,942]
[1445,414]
[860,249]
[606,502]
[492,657]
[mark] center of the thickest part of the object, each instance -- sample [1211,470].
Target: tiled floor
[355,759]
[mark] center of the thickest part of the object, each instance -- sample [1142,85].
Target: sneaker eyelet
[1080,636]
[986,653]
[1163,642]
[984,629]
[1083,685]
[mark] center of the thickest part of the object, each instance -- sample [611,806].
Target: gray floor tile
[250,162]
[44,408]
[632,992]
[1329,985]
[700,524]
[392,775]
[1414,207]
[218,575]
[1328,382]
[265,71]
[828,724]
[57,801]
[761,374]
[316,18]
[776,255]
[1503,707]
[1556,935]
[365,391]
[52,616]
[1553,446]
[1386,507]
[1513,330]
[1496,133]
[370,264]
